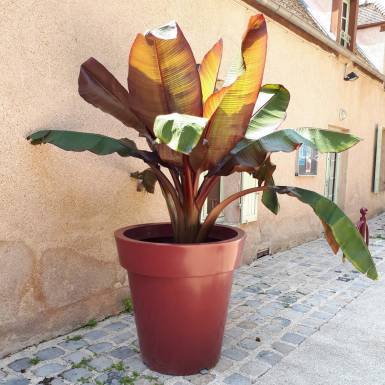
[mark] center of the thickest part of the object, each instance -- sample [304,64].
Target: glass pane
[344,9]
[343,25]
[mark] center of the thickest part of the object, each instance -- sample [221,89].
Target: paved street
[296,317]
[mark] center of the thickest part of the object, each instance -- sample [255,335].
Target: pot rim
[120,234]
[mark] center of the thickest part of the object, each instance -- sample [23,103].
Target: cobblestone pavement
[277,302]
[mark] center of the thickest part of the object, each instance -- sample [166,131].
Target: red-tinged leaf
[146,180]
[230,120]
[213,102]
[162,76]
[100,88]
[209,68]
[168,155]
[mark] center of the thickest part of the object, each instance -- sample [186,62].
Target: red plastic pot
[180,294]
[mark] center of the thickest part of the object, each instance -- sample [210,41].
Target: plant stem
[178,185]
[206,187]
[172,200]
[191,219]
[214,213]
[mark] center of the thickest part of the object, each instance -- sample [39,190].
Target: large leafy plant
[193,129]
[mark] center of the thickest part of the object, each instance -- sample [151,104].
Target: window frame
[345,38]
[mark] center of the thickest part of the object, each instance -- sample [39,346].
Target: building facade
[58,210]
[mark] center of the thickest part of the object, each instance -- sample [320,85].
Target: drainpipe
[298,22]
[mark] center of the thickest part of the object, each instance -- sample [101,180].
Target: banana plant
[191,127]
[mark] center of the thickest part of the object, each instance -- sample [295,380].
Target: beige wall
[58,210]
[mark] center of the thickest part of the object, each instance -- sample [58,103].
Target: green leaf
[327,140]
[339,229]
[248,155]
[269,112]
[264,174]
[286,140]
[180,132]
[270,201]
[95,143]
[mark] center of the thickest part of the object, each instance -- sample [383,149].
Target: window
[307,161]
[344,31]
[343,25]
[249,202]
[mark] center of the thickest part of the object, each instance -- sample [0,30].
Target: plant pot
[180,294]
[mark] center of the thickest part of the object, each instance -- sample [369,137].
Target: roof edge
[369,25]
[272,9]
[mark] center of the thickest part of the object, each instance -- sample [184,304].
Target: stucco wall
[58,210]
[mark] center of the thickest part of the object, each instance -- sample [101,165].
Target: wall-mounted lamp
[349,76]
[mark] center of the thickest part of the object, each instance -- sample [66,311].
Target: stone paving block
[235,314]
[247,325]
[78,356]
[58,381]
[254,369]
[282,322]
[200,379]
[135,363]
[73,345]
[102,378]
[249,343]
[228,341]
[235,354]
[100,347]
[312,322]
[21,364]
[143,381]
[234,332]
[293,338]
[237,379]
[122,352]
[301,308]
[101,363]
[269,356]
[94,335]
[223,364]
[291,314]
[288,299]
[49,353]
[305,330]
[16,381]
[49,370]
[270,309]
[115,326]
[282,348]
[321,315]
[123,337]
[74,375]
[331,309]
[254,303]
[273,292]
